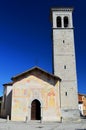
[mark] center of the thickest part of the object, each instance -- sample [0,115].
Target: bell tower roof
[62,9]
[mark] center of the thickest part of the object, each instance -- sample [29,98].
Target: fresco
[51,98]
[35,89]
[20,92]
[16,106]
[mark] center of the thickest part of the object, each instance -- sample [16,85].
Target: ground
[37,125]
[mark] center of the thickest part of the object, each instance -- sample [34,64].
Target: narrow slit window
[63,41]
[58,20]
[65,93]
[66,22]
[64,66]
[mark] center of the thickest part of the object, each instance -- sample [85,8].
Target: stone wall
[64,62]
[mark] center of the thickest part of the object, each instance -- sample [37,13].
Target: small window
[58,20]
[65,93]
[63,41]
[65,21]
[64,66]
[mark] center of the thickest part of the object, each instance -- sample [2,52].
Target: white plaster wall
[80,105]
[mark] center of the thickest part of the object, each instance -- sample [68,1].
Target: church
[38,95]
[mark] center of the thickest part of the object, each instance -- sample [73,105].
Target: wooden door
[35,110]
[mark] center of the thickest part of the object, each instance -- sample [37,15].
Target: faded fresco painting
[36,87]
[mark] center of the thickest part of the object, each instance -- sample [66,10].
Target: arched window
[58,20]
[65,21]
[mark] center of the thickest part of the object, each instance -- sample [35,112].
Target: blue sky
[25,37]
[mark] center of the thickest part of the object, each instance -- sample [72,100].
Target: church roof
[35,68]
[6,84]
[81,94]
[14,78]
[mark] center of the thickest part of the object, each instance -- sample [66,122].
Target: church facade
[39,95]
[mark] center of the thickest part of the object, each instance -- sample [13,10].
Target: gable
[37,70]
[35,84]
[36,78]
[37,73]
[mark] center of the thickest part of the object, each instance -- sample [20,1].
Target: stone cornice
[62,9]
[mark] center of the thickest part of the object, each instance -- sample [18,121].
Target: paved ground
[78,125]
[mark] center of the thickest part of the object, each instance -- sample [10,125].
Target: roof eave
[8,84]
[38,68]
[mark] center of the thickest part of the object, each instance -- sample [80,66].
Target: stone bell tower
[64,63]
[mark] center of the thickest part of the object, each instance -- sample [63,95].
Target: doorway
[35,110]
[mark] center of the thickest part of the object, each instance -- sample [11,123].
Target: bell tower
[64,63]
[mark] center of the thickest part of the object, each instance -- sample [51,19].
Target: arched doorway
[35,110]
